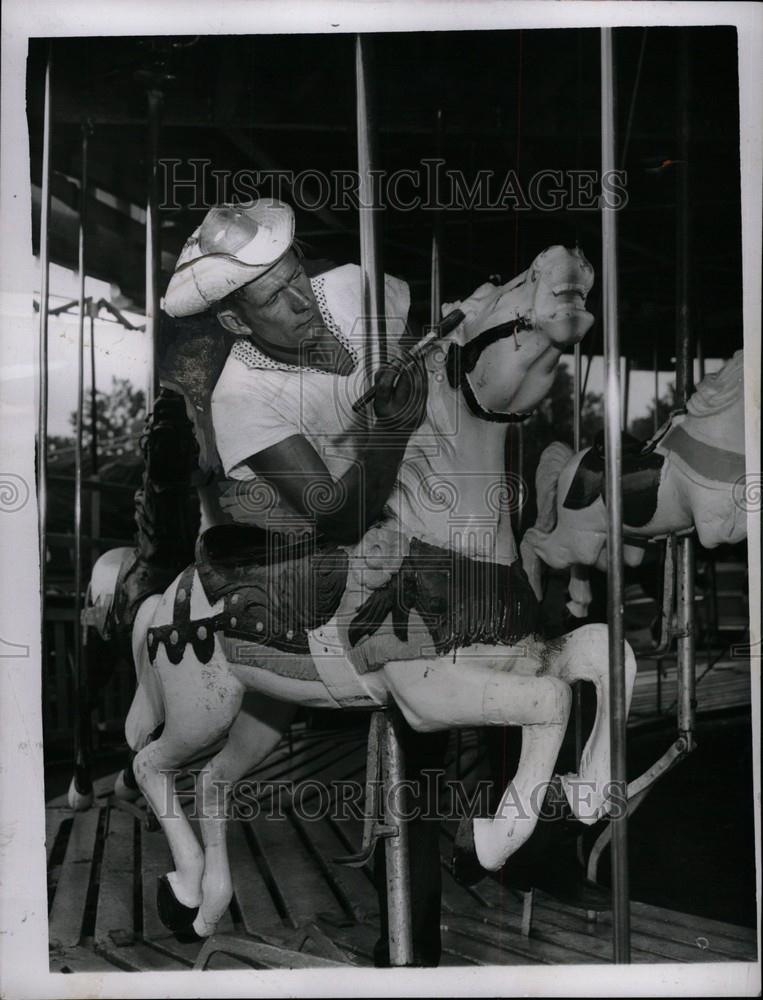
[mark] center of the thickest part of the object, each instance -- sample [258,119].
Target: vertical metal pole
[93,396]
[396,847]
[81,721]
[626,392]
[95,495]
[656,425]
[577,571]
[42,411]
[153,244]
[684,379]
[435,290]
[619,821]
[371,268]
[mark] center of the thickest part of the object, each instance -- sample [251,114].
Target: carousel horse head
[504,353]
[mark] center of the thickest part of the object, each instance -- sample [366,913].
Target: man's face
[279,307]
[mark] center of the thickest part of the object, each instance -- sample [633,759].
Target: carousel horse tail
[146,712]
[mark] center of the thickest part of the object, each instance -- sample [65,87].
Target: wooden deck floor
[723,682]
[288,890]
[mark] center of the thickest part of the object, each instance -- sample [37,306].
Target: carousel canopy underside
[511,101]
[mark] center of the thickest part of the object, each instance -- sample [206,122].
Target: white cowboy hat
[233,245]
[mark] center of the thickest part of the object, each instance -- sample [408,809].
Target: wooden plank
[329,763]
[554,921]
[68,910]
[481,951]
[711,937]
[79,959]
[115,916]
[351,884]
[302,885]
[506,937]
[357,940]
[306,757]
[255,903]
[140,957]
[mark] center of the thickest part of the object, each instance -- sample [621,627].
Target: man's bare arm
[344,508]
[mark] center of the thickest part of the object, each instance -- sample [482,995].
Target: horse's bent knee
[560,700]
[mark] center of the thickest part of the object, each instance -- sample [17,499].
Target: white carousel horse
[447,502]
[689,475]
[123,579]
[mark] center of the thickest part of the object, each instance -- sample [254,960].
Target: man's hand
[400,402]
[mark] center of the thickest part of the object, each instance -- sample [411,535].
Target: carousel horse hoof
[173,914]
[124,789]
[464,864]
[79,795]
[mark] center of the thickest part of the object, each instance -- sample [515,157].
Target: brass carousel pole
[372,271]
[684,379]
[82,792]
[42,411]
[372,304]
[613,471]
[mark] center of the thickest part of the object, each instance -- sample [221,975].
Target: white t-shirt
[259,402]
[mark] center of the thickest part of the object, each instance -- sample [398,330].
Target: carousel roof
[523,102]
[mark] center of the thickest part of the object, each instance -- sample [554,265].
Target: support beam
[613,472]
[684,387]
[82,779]
[42,410]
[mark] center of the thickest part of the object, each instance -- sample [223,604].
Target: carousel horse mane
[719,390]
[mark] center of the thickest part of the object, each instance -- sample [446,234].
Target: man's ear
[233,323]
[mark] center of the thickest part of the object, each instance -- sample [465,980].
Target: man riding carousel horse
[306,471]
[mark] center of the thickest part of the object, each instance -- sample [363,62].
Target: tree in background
[119,414]
[643,428]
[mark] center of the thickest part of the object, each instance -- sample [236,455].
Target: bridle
[461,361]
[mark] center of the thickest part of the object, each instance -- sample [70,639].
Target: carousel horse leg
[584,656]
[194,720]
[476,689]
[146,712]
[256,731]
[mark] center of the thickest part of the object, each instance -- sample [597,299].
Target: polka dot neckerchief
[245,351]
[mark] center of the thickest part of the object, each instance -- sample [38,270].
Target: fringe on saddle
[461,600]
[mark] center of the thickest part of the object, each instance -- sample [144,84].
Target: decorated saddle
[461,600]
[273,591]
[641,470]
